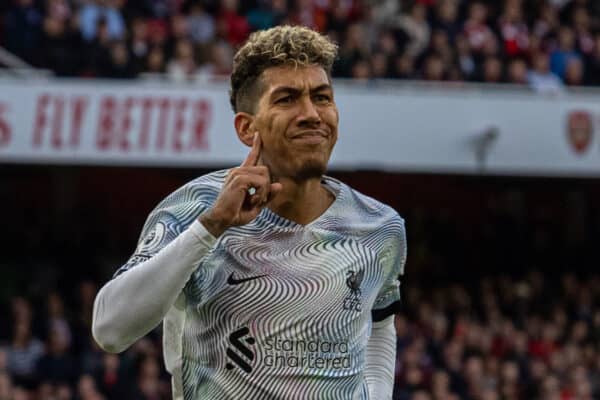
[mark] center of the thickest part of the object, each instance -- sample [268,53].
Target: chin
[311,169]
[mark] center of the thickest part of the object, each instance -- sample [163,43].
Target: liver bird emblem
[354,280]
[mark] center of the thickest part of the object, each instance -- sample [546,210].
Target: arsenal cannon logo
[579,130]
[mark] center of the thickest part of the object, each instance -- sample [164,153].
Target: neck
[301,202]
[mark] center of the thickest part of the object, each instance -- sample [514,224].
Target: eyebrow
[295,91]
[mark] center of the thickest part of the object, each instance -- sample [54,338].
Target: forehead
[302,78]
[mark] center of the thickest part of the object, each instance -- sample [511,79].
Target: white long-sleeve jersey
[270,310]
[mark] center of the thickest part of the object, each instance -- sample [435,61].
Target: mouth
[310,137]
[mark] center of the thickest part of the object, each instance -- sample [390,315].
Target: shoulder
[364,211]
[183,206]
[203,189]
[378,227]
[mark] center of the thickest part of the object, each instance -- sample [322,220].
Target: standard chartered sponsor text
[306,353]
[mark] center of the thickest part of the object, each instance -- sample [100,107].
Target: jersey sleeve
[163,225]
[393,258]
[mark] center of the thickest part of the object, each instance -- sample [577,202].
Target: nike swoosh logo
[232,281]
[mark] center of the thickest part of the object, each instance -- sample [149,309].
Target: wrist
[213,225]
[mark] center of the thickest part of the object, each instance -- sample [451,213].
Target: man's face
[297,119]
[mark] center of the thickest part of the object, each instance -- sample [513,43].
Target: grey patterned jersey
[278,310]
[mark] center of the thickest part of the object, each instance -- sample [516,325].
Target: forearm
[134,303]
[381,360]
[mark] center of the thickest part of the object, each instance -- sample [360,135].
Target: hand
[235,205]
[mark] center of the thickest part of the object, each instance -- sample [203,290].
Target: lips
[310,137]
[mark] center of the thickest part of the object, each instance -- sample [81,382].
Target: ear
[244,127]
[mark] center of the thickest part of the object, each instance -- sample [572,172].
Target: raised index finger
[252,158]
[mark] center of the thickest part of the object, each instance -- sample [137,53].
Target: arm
[381,359]
[135,302]
[381,347]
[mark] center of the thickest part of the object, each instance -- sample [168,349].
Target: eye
[284,100]
[322,98]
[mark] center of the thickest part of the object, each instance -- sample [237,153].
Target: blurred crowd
[546,44]
[501,296]
[526,338]
[47,353]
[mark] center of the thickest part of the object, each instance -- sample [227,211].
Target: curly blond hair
[282,45]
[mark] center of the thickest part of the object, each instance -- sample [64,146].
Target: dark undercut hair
[282,45]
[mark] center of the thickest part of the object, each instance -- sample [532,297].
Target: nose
[308,111]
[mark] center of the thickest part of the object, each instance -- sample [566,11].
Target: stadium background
[501,288]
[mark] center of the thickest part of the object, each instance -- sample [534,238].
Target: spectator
[307,13]
[380,66]
[517,72]
[183,67]
[433,69]
[386,43]
[120,66]
[416,29]
[473,373]
[354,49]
[547,21]
[514,31]
[21,310]
[233,26]
[155,63]
[86,389]
[384,11]
[540,78]
[98,51]
[361,70]
[583,36]
[93,11]
[149,385]
[551,388]
[56,319]
[440,385]
[58,42]
[476,30]
[465,59]
[158,32]
[337,20]
[59,9]
[23,353]
[138,45]
[404,67]
[441,47]
[263,16]
[178,32]
[446,18]
[57,365]
[22,24]
[492,70]
[219,62]
[574,73]
[160,9]
[63,392]
[560,57]
[201,24]
[109,378]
